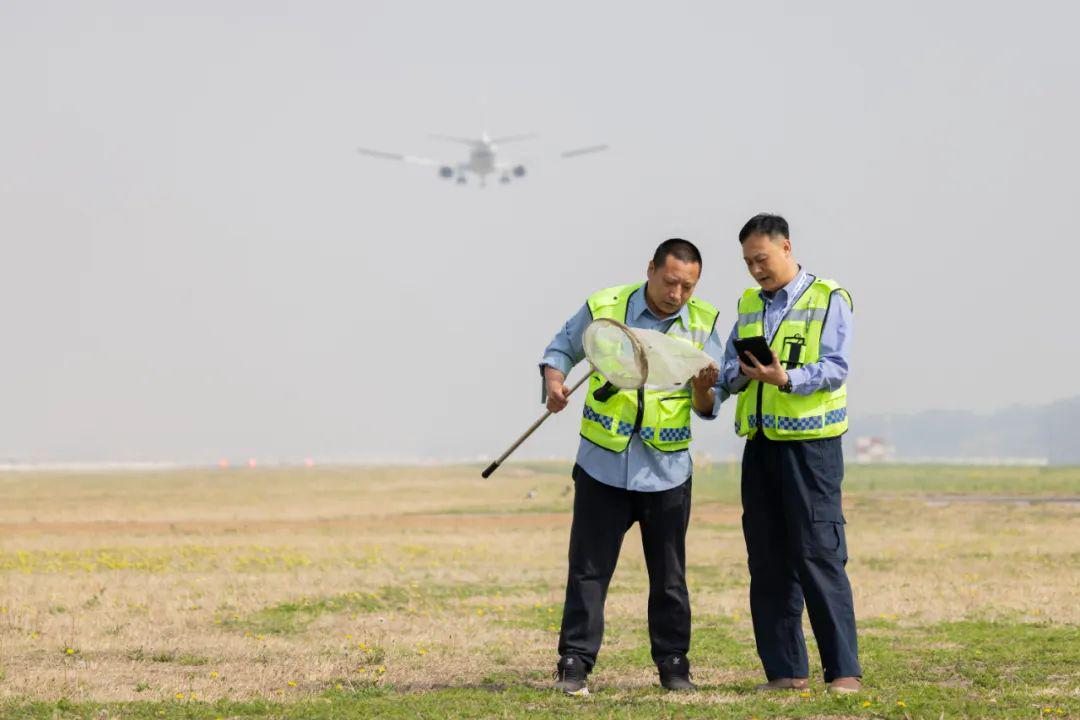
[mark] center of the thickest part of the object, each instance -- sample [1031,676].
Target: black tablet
[756,346]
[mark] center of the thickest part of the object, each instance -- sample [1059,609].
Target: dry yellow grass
[150,586]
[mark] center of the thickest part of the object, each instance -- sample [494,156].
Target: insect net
[630,358]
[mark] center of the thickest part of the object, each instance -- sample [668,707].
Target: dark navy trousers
[602,515]
[794,530]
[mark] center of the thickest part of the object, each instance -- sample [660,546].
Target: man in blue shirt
[793,412]
[640,483]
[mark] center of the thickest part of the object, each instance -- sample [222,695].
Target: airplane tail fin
[451,138]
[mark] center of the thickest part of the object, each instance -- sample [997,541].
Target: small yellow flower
[804,694]
[337,686]
[1047,711]
[901,703]
[179,696]
[291,683]
[362,646]
[348,637]
[551,610]
[866,703]
[214,674]
[360,670]
[422,651]
[480,611]
[69,651]
[382,669]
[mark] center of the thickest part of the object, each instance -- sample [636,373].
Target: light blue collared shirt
[640,467]
[829,372]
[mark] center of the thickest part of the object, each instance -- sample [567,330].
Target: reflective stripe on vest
[814,422]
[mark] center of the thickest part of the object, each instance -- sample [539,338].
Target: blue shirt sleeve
[829,372]
[566,349]
[730,379]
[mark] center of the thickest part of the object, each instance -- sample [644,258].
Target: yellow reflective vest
[787,416]
[661,418]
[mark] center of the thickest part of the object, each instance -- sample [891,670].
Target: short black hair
[682,250]
[764,224]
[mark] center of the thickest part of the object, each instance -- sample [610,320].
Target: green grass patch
[538,616]
[296,615]
[518,701]
[721,482]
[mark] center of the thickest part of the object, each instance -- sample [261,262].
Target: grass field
[428,592]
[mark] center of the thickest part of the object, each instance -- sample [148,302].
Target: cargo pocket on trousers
[827,532]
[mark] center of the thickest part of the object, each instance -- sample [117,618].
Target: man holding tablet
[787,357]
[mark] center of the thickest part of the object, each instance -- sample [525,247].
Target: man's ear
[651,269]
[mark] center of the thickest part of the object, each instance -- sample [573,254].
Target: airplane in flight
[483,160]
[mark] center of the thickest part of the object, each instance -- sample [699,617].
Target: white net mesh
[671,362]
[630,358]
[616,353]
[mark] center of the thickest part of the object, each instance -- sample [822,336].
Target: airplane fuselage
[482,159]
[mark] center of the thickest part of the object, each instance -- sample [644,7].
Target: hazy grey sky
[197,263]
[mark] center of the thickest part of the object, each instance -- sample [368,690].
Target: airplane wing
[584,150]
[508,165]
[397,156]
[512,138]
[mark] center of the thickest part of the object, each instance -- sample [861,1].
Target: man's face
[671,285]
[768,258]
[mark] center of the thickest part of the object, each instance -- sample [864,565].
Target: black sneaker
[675,673]
[570,676]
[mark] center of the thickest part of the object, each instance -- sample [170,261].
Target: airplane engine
[519,171]
[446,172]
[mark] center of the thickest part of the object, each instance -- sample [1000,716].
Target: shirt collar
[783,295]
[636,306]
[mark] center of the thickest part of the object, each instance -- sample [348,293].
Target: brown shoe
[784,684]
[845,685]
